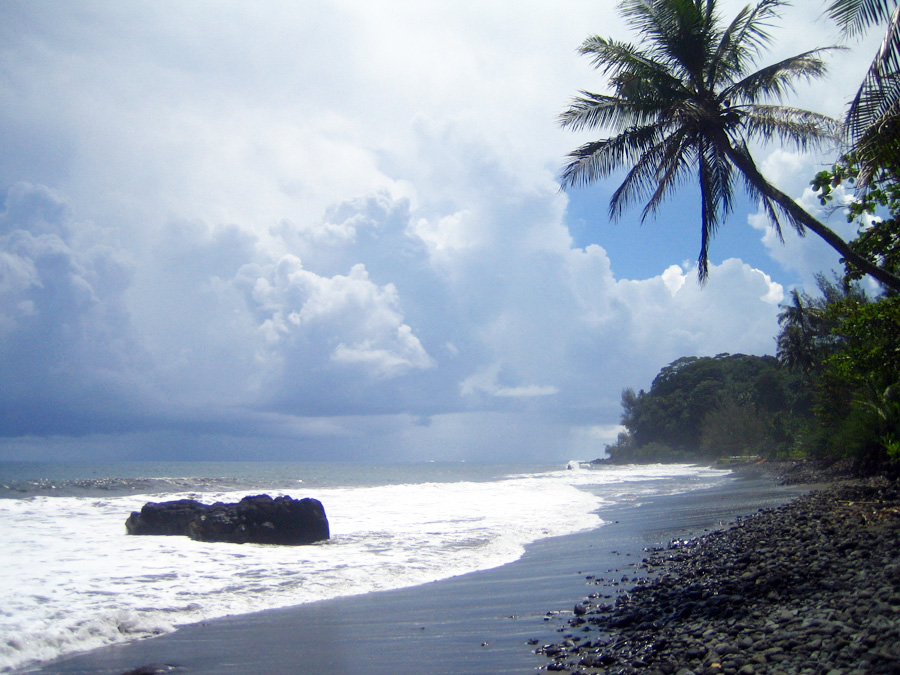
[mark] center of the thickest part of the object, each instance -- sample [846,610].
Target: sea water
[73,580]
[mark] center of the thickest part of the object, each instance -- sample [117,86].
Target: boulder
[165,517]
[257,519]
[263,520]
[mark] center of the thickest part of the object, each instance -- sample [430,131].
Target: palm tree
[686,99]
[798,341]
[873,120]
[807,336]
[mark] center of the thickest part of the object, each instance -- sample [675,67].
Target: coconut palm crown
[685,102]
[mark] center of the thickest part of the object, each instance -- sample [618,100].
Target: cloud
[300,345]
[64,324]
[346,319]
[328,231]
[486,382]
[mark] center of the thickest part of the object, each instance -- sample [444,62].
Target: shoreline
[812,586]
[485,622]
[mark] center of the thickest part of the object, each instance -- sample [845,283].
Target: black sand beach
[477,623]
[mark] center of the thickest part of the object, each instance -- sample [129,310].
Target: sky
[332,230]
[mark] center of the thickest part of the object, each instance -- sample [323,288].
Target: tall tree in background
[807,337]
[797,340]
[686,98]
[873,120]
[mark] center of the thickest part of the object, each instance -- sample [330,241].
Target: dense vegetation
[709,407]
[849,344]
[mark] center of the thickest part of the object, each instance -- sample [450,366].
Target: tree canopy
[706,407]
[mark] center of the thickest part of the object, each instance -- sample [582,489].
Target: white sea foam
[73,580]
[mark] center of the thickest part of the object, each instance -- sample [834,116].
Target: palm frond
[714,174]
[709,214]
[873,119]
[801,128]
[671,170]
[708,226]
[641,179]
[598,159]
[731,51]
[632,72]
[687,37]
[880,89]
[879,147]
[611,56]
[659,20]
[778,79]
[854,16]
[872,105]
[721,170]
[591,111]
[888,58]
[742,41]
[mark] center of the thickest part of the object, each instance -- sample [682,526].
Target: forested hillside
[708,407]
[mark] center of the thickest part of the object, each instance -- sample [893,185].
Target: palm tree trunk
[799,215]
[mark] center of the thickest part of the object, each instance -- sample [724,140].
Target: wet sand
[479,623]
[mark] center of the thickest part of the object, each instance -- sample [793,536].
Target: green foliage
[733,429]
[875,207]
[857,378]
[858,404]
[870,335]
[707,407]
[807,334]
[882,192]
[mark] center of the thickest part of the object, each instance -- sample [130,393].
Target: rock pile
[809,587]
[258,519]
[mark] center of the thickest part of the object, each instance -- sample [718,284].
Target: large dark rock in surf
[165,517]
[259,519]
[263,520]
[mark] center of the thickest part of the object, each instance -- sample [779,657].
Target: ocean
[73,580]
